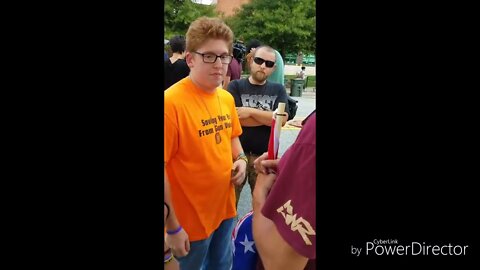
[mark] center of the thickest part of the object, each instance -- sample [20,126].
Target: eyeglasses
[212,58]
[260,61]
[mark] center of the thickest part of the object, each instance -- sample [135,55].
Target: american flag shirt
[245,255]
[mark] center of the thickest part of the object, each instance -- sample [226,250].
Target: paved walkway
[293,69]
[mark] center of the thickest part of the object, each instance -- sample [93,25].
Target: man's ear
[248,60]
[189,59]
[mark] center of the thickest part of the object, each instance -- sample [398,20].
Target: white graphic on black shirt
[261,102]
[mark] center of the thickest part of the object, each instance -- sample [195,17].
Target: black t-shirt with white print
[263,97]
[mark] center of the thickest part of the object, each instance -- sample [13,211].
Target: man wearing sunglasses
[256,99]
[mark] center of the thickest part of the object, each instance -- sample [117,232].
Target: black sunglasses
[260,61]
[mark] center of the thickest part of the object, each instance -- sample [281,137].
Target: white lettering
[369,248]
[413,248]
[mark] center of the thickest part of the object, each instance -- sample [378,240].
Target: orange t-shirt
[199,168]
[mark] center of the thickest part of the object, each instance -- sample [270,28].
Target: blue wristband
[175,231]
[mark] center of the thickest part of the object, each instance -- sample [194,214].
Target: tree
[286,25]
[180,13]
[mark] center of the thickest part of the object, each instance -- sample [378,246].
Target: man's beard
[259,76]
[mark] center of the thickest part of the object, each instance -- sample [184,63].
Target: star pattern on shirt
[248,245]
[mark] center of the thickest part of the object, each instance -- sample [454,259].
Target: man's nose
[218,62]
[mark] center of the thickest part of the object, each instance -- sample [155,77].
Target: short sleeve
[232,88]
[291,202]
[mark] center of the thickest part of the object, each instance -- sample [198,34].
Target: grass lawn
[311,80]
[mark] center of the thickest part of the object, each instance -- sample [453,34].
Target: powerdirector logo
[392,247]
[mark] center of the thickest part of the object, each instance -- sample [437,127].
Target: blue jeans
[213,253]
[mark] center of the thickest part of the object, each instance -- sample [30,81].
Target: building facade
[227,7]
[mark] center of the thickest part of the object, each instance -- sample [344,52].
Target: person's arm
[263,165]
[284,222]
[250,122]
[169,264]
[262,117]
[172,221]
[274,251]
[178,242]
[239,162]
[258,117]
[245,121]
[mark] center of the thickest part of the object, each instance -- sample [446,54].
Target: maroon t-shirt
[291,201]
[234,70]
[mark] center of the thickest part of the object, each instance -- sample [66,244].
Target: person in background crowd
[256,99]
[250,50]
[234,70]
[302,75]
[175,67]
[278,75]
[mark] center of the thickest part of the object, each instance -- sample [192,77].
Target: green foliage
[287,25]
[180,13]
